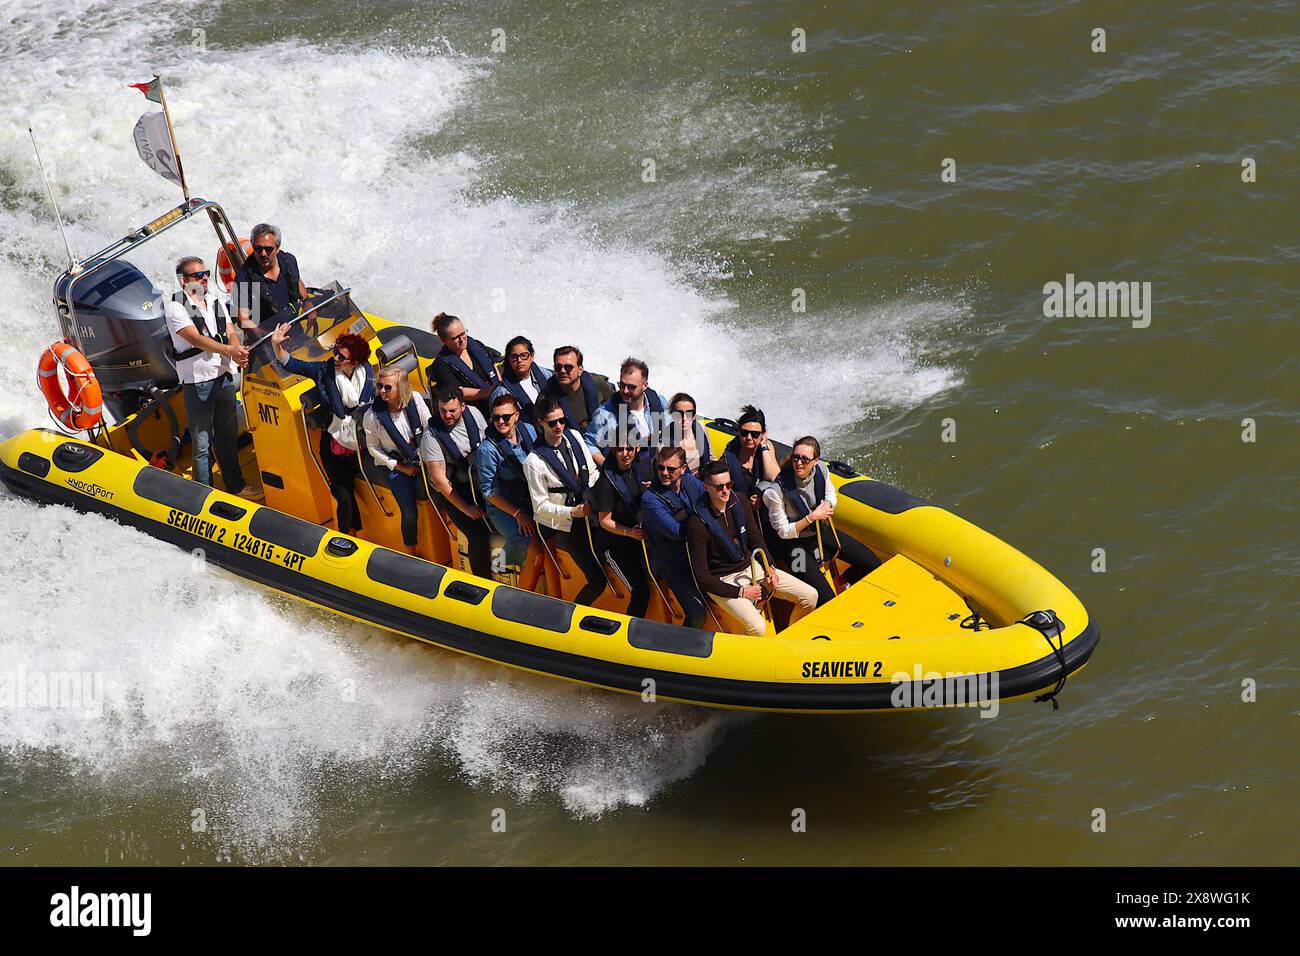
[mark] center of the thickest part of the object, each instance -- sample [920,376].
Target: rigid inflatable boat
[953,616]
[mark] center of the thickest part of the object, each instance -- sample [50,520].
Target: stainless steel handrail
[116,249]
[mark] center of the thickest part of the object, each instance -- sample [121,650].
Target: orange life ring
[84,408]
[225,268]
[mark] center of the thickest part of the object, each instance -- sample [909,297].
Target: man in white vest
[207,349]
[560,472]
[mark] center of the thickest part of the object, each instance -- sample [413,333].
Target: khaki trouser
[788,587]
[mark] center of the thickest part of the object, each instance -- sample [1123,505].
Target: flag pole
[171,133]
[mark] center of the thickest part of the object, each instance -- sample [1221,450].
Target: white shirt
[549,508]
[431,449]
[379,444]
[207,365]
[782,513]
[640,419]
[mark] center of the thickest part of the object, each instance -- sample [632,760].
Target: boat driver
[268,282]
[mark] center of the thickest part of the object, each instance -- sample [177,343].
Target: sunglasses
[385,388]
[751,434]
[505,418]
[264,250]
[520,356]
[683,411]
[340,354]
[554,423]
[196,275]
[667,469]
[564,367]
[722,486]
[455,338]
[627,386]
[801,459]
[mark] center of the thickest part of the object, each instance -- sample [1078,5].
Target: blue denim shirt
[604,423]
[488,459]
[657,515]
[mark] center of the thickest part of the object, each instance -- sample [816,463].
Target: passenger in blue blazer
[348,388]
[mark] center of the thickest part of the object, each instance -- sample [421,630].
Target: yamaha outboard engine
[119,315]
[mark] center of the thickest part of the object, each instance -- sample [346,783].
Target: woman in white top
[347,388]
[394,426]
[802,495]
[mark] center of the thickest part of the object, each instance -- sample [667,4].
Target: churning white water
[237,698]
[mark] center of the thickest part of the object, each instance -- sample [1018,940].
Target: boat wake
[267,716]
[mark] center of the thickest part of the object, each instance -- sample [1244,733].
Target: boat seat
[405,361]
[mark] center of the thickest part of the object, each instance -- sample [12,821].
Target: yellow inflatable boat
[952,617]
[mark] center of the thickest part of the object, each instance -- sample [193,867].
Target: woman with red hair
[348,389]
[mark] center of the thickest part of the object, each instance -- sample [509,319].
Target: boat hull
[796,671]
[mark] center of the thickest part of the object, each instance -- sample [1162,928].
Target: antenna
[73,266]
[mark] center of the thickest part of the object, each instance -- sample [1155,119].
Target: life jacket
[702,443]
[575,488]
[790,489]
[590,399]
[517,390]
[511,482]
[331,389]
[470,376]
[680,505]
[289,275]
[625,484]
[745,480]
[458,463]
[219,312]
[655,417]
[407,451]
[737,548]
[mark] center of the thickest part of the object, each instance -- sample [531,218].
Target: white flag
[155,146]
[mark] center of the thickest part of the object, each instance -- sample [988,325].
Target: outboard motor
[119,315]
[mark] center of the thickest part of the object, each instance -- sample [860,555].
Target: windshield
[326,314]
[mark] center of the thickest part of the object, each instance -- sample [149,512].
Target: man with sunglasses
[635,410]
[268,282]
[464,362]
[520,376]
[617,498]
[560,472]
[450,442]
[722,534]
[206,348]
[665,508]
[579,392]
[499,467]
[802,495]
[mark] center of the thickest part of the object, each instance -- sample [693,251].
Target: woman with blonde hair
[394,426]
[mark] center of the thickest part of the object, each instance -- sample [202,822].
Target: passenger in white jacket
[560,472]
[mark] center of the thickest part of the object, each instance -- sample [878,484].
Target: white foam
[230,692]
